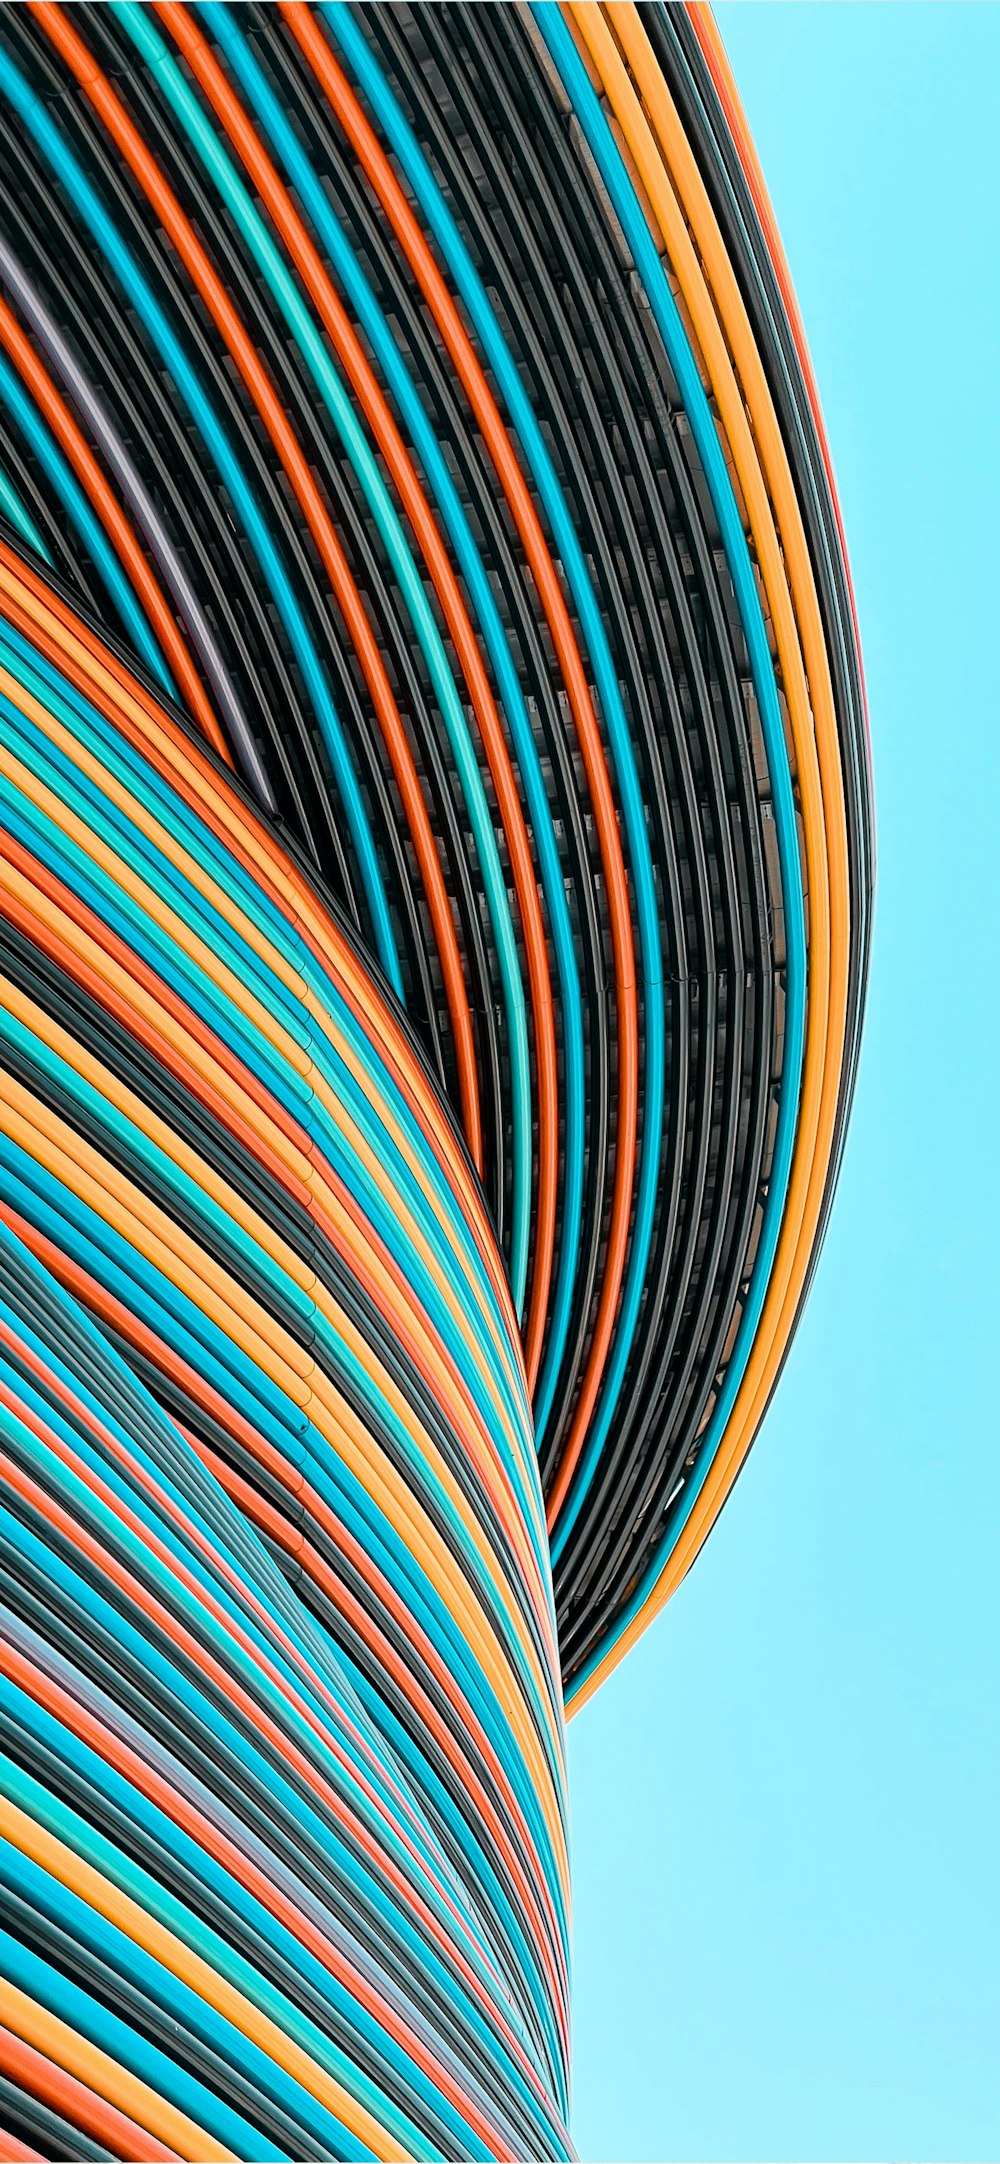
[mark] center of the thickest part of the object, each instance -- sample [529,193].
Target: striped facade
[435,900]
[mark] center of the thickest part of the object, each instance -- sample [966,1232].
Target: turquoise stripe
[20,517]
[89,528]
[87,203]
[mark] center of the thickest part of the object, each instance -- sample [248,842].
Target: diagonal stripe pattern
[435,905]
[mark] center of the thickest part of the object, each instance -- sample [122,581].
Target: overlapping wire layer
[434,916]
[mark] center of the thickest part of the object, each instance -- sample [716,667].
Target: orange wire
[411,239]
[81,458]
[42,2078]
[109,108]
[307,261]
[184,766]
[718,66]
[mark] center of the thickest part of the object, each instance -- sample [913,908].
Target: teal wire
[359,292]
[43,443]
[20,518]
[86,201]
[344,418]
[346,29]
[612,167]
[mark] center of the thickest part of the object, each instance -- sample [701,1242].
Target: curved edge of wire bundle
[436,903]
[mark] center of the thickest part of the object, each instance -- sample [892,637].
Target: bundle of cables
[435,901]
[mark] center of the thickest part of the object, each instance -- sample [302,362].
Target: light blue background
[785,1804]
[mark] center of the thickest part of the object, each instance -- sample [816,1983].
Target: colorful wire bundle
[435,903]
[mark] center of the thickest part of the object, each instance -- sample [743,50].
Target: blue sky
[785,1804]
